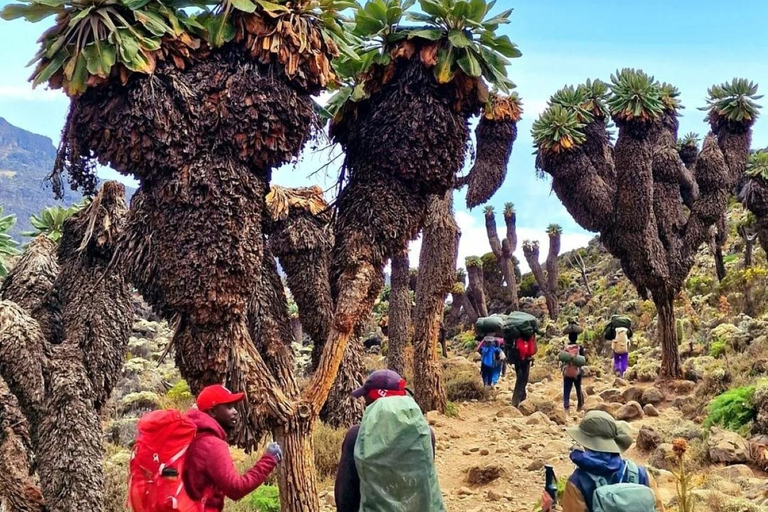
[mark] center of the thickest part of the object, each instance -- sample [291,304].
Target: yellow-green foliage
[451,409]
[328,442]
[265,499]
[178,397]
[717,349]
[467,339]
[463,383]
[700,285]
[734,409]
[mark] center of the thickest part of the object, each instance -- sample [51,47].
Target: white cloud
[27,93]
[474,240]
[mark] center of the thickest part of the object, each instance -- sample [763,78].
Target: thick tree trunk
[342,410]
[553,275]
[531,252]
[298,330]
[665,307]
[476,291]
[297,477]
[508,268]
[453,318]
[437,261]
[399,313]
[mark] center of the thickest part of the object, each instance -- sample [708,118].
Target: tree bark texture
[503,259]
[636,201]
[476,290]
[297,472]
[62,386]
[531,253]
[437,261]
[665,307]
[399,313]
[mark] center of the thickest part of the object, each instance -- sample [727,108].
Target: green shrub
[730,258]
[717,349]
[265,499]
[700,285]
[327,442]
[464,385]
[528,286]
[467,340]
[451,410]
[734,409]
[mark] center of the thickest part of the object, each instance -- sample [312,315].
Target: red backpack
[526,348]
[157,464]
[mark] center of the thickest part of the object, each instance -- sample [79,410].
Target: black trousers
[569,384]
[522,369]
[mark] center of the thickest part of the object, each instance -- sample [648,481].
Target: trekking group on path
[181,461]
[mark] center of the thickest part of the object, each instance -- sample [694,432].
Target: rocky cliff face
[25,160]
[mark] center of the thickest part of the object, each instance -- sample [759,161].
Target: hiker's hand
[275,451]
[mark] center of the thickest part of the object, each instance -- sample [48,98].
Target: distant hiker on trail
[619,332]
[490,360]
[519,332]
[603,481]
[572,359]
[387,462]
[192,447]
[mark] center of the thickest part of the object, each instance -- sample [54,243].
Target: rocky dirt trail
[491,457]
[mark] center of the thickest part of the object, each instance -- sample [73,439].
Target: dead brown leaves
[280,200]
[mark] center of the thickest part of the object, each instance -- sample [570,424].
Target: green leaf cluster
[473,261]
[50,222]
[7,244]
[635,95]
[690,139]
[554,229]
[734,409]
[90,37]
[757,165]
[734,102]
[464,32]
[557,129]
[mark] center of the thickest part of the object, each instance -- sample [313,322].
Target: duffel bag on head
[621,321]
[489,325]
[573,327]
[519,325]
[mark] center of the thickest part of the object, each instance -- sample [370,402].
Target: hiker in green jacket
[387,461]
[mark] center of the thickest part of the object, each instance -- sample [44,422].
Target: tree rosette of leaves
[456,39]
[302,36]
[734,102]
[50,222]
[757,166]
[503,108]
[92,40]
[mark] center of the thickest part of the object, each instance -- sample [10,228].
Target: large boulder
[612,395]
[648,439]
[553,410]
[629,412]
[727,447]
[632,394]
[652,396]
[662,457]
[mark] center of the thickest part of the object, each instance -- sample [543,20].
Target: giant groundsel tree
[632,192]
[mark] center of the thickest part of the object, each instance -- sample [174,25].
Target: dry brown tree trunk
[437,264]
[399,312]
[508,247]
[476,290]
[61,388]
[458,299]
[553,273]
[531,253]
[577,263]
[634,200]
[718,237]
[503,259]
[665,307]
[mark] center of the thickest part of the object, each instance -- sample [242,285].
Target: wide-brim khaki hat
[598,432]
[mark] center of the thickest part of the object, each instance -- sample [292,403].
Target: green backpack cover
[519,325]
[629,495]
[394,459]
[489,325]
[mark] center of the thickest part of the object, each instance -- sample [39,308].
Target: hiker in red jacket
[210,473]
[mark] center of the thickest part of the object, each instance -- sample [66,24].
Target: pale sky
[689,44]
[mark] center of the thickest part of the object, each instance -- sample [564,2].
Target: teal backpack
[630,494]
[394,459]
